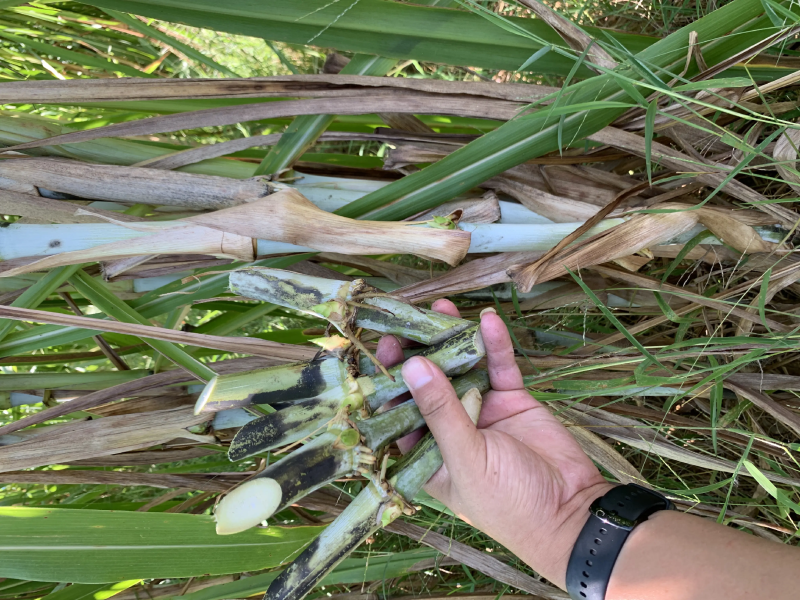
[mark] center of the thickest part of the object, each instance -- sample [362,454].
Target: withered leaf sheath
[328,299]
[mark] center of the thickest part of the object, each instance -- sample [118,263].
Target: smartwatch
[612,517]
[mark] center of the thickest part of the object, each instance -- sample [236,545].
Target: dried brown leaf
[641,231]
[206,482]
[414,103]
[281,86]
[101,437]
[678,161]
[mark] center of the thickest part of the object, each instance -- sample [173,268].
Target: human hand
[519,476]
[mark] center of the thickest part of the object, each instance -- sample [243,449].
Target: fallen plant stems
[664,338]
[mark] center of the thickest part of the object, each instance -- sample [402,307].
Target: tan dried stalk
[206,482]
[133,185]
[55,211]
[649,283]
[573,35]
[416,103]
[473,275]
[678,161]
[308,86]
[630,432]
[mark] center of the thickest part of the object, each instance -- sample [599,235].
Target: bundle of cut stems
[345,447]
[378,504]
[324,396]
[454,356]
[345,304]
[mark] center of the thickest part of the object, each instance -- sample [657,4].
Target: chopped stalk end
[208,392]
[248,505]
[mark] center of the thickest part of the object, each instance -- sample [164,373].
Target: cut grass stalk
[332,455]
[324,378]
[454,356]
[396,422]
[346,304]
[285,426]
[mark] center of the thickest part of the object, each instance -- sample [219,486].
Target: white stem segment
[248,505]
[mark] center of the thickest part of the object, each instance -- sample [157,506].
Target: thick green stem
[330,456]
[401,420]
[454,356]
[326,378]
[376,506]
[283,427]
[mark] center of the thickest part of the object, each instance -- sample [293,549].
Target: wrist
[551,557]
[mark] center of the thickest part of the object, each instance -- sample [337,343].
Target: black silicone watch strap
[612,518]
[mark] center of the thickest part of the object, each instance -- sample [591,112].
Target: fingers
[445,307]
[407,442]
[389,351]
[504,373]
[499,406]
[457,436]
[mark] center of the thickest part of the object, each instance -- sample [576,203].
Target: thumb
[454,430]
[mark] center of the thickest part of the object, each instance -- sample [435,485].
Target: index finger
[504,374]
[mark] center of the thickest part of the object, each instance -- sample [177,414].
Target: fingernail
[488,309]
[416,373]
